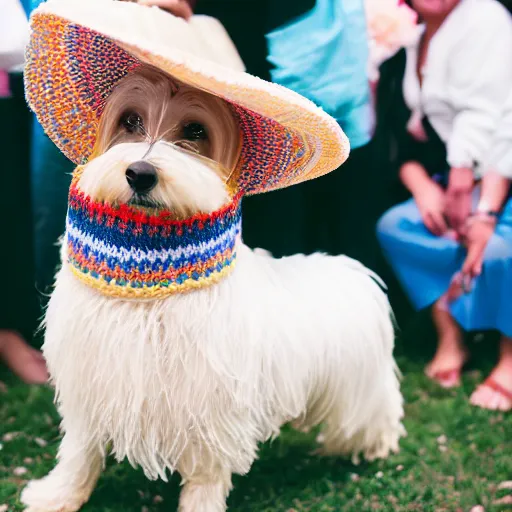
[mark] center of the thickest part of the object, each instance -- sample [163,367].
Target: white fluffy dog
[194,382]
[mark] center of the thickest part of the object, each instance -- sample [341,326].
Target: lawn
[454,458]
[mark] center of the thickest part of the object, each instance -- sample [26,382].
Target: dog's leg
[205,492]
[383,433]
[378,435]
[68,486]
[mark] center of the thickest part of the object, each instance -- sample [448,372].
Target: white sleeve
[14,34]
[480,83]
[500,155]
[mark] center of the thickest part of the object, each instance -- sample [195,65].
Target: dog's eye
[194,131]
[132,122]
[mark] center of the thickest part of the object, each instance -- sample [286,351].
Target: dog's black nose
[141,177]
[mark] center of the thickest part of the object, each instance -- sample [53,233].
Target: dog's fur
[194,382]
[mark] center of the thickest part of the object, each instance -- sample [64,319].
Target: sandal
[497,388]
[447,378]
[450,378]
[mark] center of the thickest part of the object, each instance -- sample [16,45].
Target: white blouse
[500,155]
[466,79]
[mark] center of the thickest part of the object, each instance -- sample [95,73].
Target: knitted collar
[124,252]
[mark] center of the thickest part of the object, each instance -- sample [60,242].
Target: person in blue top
[320,50]
[323,54]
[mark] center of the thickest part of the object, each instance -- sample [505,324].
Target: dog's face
[162,144]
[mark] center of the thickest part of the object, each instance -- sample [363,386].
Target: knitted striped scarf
[122,251]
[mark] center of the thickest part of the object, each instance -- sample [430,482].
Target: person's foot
[27,363]
[495,393]
[446,367]
[451,354]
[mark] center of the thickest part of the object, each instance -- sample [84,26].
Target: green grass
[453,459]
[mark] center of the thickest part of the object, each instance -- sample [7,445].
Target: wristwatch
[483,209]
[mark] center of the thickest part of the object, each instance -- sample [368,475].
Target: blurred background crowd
[422,88]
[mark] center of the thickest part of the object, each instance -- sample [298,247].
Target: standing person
[443,127]
[320,50]
[18,308]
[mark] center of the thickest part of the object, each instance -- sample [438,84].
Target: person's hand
[179,8]
[430,201]
[476,237]
[459,197]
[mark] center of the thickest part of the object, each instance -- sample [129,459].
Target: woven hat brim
[77,55]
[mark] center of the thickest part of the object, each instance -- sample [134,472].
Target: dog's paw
[51,495]
[370,443]
[385,445]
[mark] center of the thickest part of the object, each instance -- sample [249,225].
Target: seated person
[435,241]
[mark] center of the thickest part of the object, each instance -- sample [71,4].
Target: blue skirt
[425,265]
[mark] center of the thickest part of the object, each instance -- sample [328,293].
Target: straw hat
[79,50]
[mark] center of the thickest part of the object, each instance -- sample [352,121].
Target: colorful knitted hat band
[124,252]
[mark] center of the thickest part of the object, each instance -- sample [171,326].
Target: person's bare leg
[27,363]
[496,392]
[451,354]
